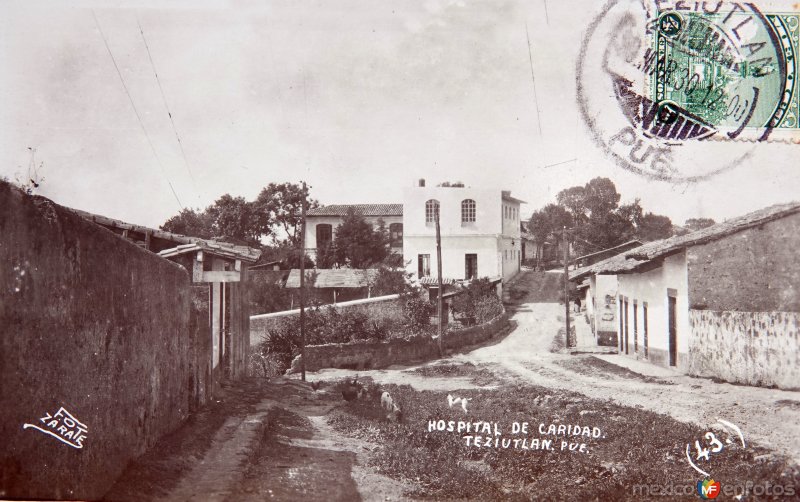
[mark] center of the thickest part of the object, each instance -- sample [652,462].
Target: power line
[164,98]
[559,163]
[533,77]
[135,110]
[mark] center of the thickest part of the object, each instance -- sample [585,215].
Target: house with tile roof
[723,301]
[321,223]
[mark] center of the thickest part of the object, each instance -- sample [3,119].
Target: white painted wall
[454,250]
[651,287]
[495,239]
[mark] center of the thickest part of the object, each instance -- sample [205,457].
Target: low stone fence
[382,354]
[753,348]
[383,307]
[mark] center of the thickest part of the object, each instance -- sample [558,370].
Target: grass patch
[478,376]
[593,366]
[639,447]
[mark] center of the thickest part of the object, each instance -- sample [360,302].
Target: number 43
[715,444]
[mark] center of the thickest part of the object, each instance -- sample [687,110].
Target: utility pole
[566,285]
[439,281]
[302,284]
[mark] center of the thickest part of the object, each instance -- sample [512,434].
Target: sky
[359,98]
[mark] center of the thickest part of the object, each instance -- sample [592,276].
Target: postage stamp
[658,83]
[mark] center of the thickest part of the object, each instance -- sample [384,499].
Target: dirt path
[303,458]
[259,441]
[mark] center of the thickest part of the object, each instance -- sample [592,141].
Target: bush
[477,301]
[487,308]
[390,281]
[322,325]
[418,312]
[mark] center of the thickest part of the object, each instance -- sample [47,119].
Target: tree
[694,224]
[599,222]
[357,245]
[232,219]
[548,222]
[600,197]
[572,199]
[279,205]
[190,222]
[603,231]
[653,227]
[276,211]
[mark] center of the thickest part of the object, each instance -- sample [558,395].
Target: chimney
[421,182]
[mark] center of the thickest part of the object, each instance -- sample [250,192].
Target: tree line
[596,220]
[272,222]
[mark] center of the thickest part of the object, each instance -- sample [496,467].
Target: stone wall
[753,348]
[755,270]
[382,354]
[92,323]
[383,307]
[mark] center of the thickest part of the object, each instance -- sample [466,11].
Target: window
[470,266]
[635,326]
[431,210]
[396,235]
[423,265]
[467,211]
[324,234]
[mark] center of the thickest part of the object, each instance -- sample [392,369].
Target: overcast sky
[357,97]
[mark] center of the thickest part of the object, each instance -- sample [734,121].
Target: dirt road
[768,417]
[271,441]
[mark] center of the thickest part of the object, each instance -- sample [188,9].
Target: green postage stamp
[723,71]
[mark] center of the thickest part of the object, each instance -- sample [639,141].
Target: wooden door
[673,332]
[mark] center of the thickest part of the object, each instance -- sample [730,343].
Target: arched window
[396,235]
[431,210]
[324,234]
[467,211]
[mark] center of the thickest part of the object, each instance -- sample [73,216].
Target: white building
[721,301]
[480,232]
[321,223]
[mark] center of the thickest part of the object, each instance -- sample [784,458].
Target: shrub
[487,308]
[418,312]
[322,325]
[390,281]
[477,301]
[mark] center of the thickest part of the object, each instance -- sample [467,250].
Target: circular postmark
[682,91]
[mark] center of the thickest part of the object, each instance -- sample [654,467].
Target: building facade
[721,302]
[480,232]
[321,223]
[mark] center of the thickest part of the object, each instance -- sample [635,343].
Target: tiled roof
[245,253]
[333,278]
[433,281]
[363,209]
[628,245]
[630,260]
[213,247]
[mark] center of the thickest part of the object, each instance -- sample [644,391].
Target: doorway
[673,331]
